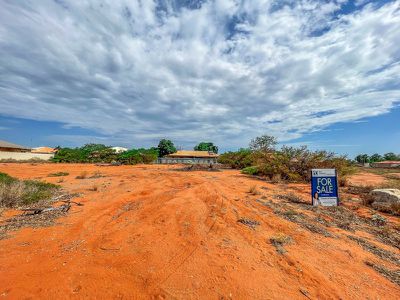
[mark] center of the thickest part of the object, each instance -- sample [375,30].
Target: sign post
[324,187]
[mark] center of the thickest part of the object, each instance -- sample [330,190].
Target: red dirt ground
[152,232]
[365,179]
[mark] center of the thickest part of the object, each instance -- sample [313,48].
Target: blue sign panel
[324,189]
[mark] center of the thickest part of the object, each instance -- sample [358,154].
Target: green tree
[362,158]
[206,146]
[375,157]
[166,147]
[390,156]
[265,143]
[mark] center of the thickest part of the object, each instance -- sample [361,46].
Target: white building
[119,149]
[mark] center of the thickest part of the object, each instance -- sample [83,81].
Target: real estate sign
[324,189]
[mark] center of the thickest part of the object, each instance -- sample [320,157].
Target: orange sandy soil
[367,179]
[152,232]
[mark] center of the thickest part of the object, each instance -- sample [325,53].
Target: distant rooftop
[5,144]
[43,150]
[188,153]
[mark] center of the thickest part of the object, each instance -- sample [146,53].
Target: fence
[24,155]
[181,160]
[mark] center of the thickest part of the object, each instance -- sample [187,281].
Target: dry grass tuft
[58,174]
[279,240]
[254,191]
[83,175]
[14,192]
[93,188]
[392,275]
[290,197]
[96,174]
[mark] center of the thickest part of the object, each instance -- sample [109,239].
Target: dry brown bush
[14,192]
[253,190]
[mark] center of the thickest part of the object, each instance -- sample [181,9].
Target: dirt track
[150,231]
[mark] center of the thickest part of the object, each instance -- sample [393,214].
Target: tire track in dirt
[154,232]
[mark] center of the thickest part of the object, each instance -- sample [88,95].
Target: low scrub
[58,174]
[250,170]
[83,175]
[14,192]
[279,241]
[253,190]
[287,164]
[98,153]
[237,160]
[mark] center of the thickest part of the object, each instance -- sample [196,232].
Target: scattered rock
[386,195]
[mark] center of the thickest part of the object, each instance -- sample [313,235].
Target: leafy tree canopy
[376,158]
[206,146]
[166,147]
[362,158]
[264,143]
[391,156]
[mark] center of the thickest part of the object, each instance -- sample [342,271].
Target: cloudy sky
[320,72]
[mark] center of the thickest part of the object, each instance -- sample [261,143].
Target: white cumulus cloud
[223,70]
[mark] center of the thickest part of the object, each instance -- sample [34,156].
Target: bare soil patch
[154,232]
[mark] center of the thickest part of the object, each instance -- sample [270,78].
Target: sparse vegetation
[365,158]
[237,160]
[206,146]
[83,175]
[94,188]
[290,197]
[382,253]
[166,147]
[378,220]
[250,170]
[14,192]
[279,240]
[96,174]
[287,164]
[249,222]
[98,153]
[392,275]
[58,174]
[253,190]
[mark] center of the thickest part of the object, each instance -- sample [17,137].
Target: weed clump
[248,222]
[378,220]
[83,175]
[279,240]
[250,171]
[290,197]
[96,174]
[14,192]
[253,190]
[94,188]
[392,275]
[58,174]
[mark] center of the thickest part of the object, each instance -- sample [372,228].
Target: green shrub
[138,156]
[37,190]
[98,153]
[250,170]
[14,192]
[6,179]
[289,163]
[237,160]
